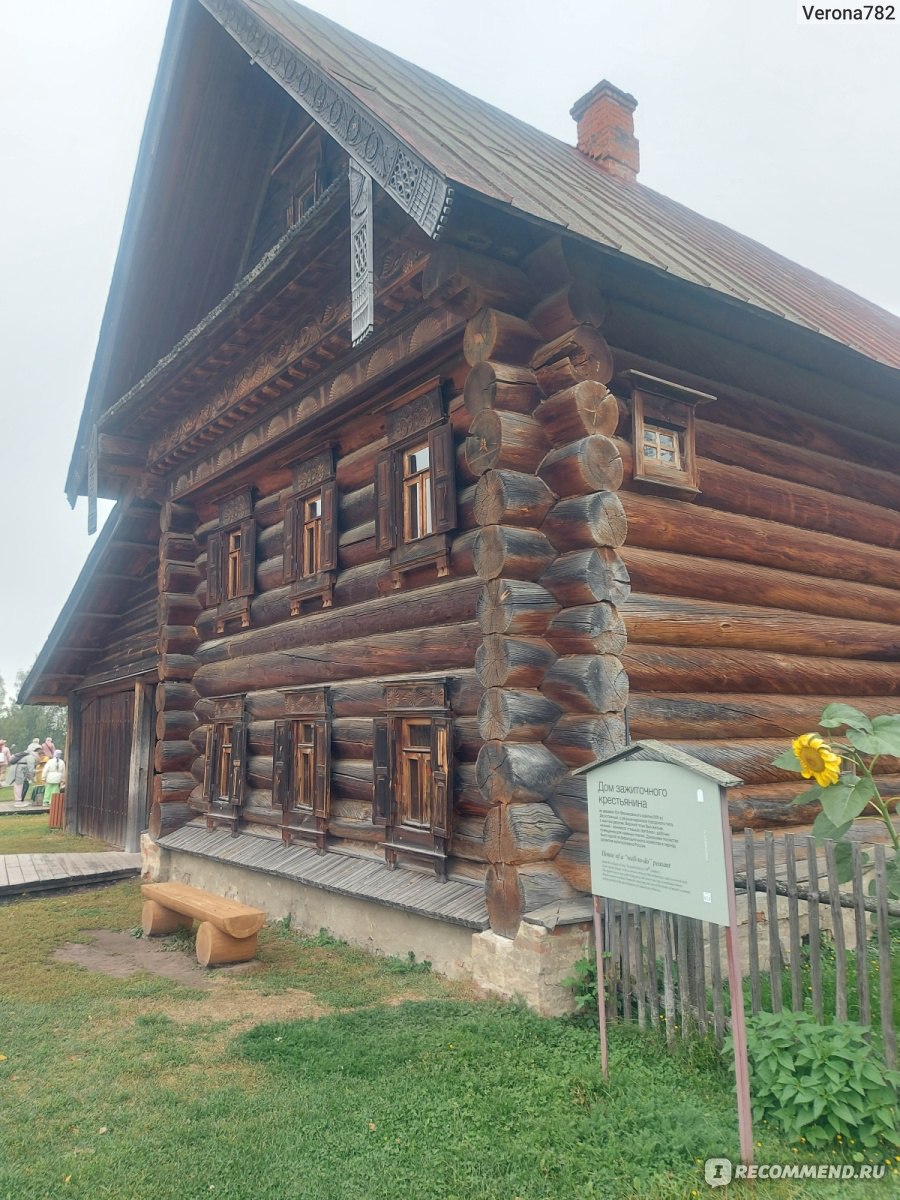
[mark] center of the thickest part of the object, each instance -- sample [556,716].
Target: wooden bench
[227,931]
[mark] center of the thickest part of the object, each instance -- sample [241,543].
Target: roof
[474,144]
[659,752]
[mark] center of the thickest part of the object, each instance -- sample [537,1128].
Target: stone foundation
[531,966]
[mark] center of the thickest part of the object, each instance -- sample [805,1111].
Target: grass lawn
[327,1074]
[29,833]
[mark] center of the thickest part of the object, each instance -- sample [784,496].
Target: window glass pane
[314,507]
[416,460]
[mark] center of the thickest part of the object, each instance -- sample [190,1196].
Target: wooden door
[107,729]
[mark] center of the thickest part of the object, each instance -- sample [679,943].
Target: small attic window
[662,426]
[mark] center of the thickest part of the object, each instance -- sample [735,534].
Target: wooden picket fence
[807,942]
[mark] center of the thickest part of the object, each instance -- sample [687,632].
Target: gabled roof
[421,138]
[474,144]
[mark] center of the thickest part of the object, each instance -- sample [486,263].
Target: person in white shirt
[54,777]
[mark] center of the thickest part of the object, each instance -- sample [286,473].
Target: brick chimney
[606,129]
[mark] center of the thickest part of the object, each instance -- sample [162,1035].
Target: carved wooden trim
[412,416]
[301,415]
[228,708]
[362,240]
[416,695]
[310,472]
[236,507]
[306,702]
[404,174]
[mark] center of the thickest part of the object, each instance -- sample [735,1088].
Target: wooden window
[662,420]
[231,561]
[412,771]
[224,781]
[311,532]
[301,766]
[415,485]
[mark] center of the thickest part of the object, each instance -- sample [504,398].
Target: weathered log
[593,464]
[175,696]
[673,668]
[569,802]
[580,353]
[502,661]
[174,785]
[511,498]
[576,303]
[173,756]
[442,603]
[587,629]
[178,639]
[355,698]
[468,838]
[668,621]
[510,388]
[523,833]
[178,577]
[176,666]
[583,576]
[175,726]
[760,806]
[658,523]
[493,334]
[511,891]
[515,606]
[351,737]
[574,862]
[175,517]
[504,440]
[587,683]
[769,456]
[517,771]
[215,947]
[668,717]
[558,261]
[579,411]
[580,740]
[713,579]
[166,818]
[466,282]
[177,608]
[512,552]
[580,522]
[750,759]
[177,547]
[516,715]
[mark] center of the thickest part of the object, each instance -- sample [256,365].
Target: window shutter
[381,762]
[385,505]
[281,766]
[212,764]
[442,799]
[238,763]
[291,568]
[248,558]
[323,770]
[443,478]
[214,554]
[329,527]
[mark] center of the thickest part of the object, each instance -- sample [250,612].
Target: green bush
[821,1082]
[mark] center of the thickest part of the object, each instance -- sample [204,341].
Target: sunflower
[817,760]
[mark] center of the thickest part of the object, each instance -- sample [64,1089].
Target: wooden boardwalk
[22,874]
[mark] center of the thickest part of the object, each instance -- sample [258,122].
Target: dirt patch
[118,954]
[242,1010]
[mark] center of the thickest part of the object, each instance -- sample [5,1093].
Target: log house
[432,488]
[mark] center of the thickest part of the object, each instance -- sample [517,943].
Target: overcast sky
[782,129]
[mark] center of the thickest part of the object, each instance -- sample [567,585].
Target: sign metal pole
[736,989]
[601,987]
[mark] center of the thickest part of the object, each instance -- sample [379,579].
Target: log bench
[227,931]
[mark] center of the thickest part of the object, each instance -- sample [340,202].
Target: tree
[21,723]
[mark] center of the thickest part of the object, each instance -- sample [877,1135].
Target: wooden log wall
[775,592]
[540,445]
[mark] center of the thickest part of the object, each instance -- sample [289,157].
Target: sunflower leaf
[789,761]
[844,714]
[810,796]
[824,830]
[843,802]
[884,738]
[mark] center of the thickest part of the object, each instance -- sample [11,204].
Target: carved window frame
[414,702]
[227,733]
[305,820]
[235,518]
[663,408]
[313,476]
[419,419]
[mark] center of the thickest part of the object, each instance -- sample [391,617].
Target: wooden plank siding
[107,722]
